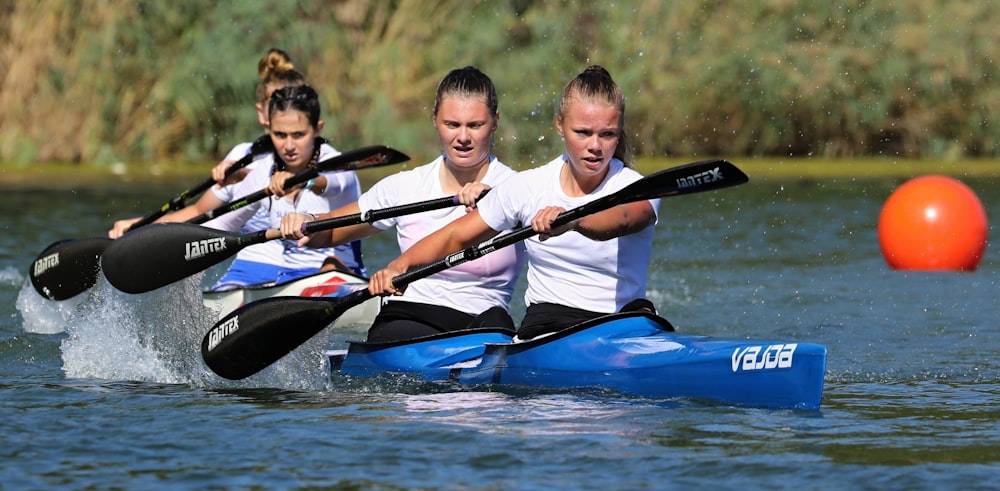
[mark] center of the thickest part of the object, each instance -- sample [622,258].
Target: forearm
[461,233]
[207,202]
[181,215]
[317,185]
[457,235]
[234,220]
[292,226]
[618,221]
[341,235]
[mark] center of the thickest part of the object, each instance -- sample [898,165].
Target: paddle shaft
[625,195]
[259,146]
[157,256]
[452,260]
[70,267]
[241,345]
[154,257]
[692,178]
[360,158]
[370,216]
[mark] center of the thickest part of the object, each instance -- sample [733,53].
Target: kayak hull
[635,354]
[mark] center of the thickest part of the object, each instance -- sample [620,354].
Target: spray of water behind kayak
[156,337]
[38,314]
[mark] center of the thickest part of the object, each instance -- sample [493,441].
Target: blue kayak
[631,353]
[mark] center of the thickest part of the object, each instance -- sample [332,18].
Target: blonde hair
[595,85]
[276,68]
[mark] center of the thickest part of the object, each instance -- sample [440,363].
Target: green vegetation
[183,175]
[146,82]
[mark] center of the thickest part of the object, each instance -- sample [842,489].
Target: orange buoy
[933,223]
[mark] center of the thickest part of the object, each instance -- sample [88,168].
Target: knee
[496,317]
[639,305]
[333,263]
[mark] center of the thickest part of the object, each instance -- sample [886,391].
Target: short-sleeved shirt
[571,269]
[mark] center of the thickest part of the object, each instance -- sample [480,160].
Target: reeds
[104,81]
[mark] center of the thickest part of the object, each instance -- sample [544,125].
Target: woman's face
[294,137]
[464,125]
[591,131]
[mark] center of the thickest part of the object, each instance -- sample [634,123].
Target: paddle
[260,146]
[258,334]
[359,158]
[121,267]
[69,267]
[154,257]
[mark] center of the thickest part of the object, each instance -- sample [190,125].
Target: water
[108,390]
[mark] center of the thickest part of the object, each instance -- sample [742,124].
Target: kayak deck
[630,353]
[325,284]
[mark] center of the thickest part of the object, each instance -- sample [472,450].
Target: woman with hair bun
[275,71]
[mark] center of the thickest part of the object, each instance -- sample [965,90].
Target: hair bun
[275,60]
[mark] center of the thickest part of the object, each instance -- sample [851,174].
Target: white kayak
[326,284]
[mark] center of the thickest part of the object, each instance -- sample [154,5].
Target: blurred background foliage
[105,81]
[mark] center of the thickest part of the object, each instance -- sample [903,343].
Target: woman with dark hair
[294,127]
[474,294]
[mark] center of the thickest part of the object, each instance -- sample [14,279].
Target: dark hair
[276,68]
[596,85]
[298,97]
[467,82]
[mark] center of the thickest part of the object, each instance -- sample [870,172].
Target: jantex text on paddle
[702,178]
[200,248]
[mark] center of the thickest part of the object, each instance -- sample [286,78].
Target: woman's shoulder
[498,172]
[620,171]
[259,170]
[239,151]
[326,151]
[263,162]
[552,166]
[531,181]
[413,177]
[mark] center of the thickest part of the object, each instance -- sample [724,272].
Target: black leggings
[544,318]
[398,321]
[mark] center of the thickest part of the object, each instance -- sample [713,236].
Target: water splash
[40,315]
[156,337]
[10,276]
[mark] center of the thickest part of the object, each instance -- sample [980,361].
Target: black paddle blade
[363,158]
[260,333]
[696,177]
[68,268]
[161,253]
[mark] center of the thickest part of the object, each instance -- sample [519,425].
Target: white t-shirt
[225,193]
[472,287]
[239,151]
[570,269]
[342,188]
